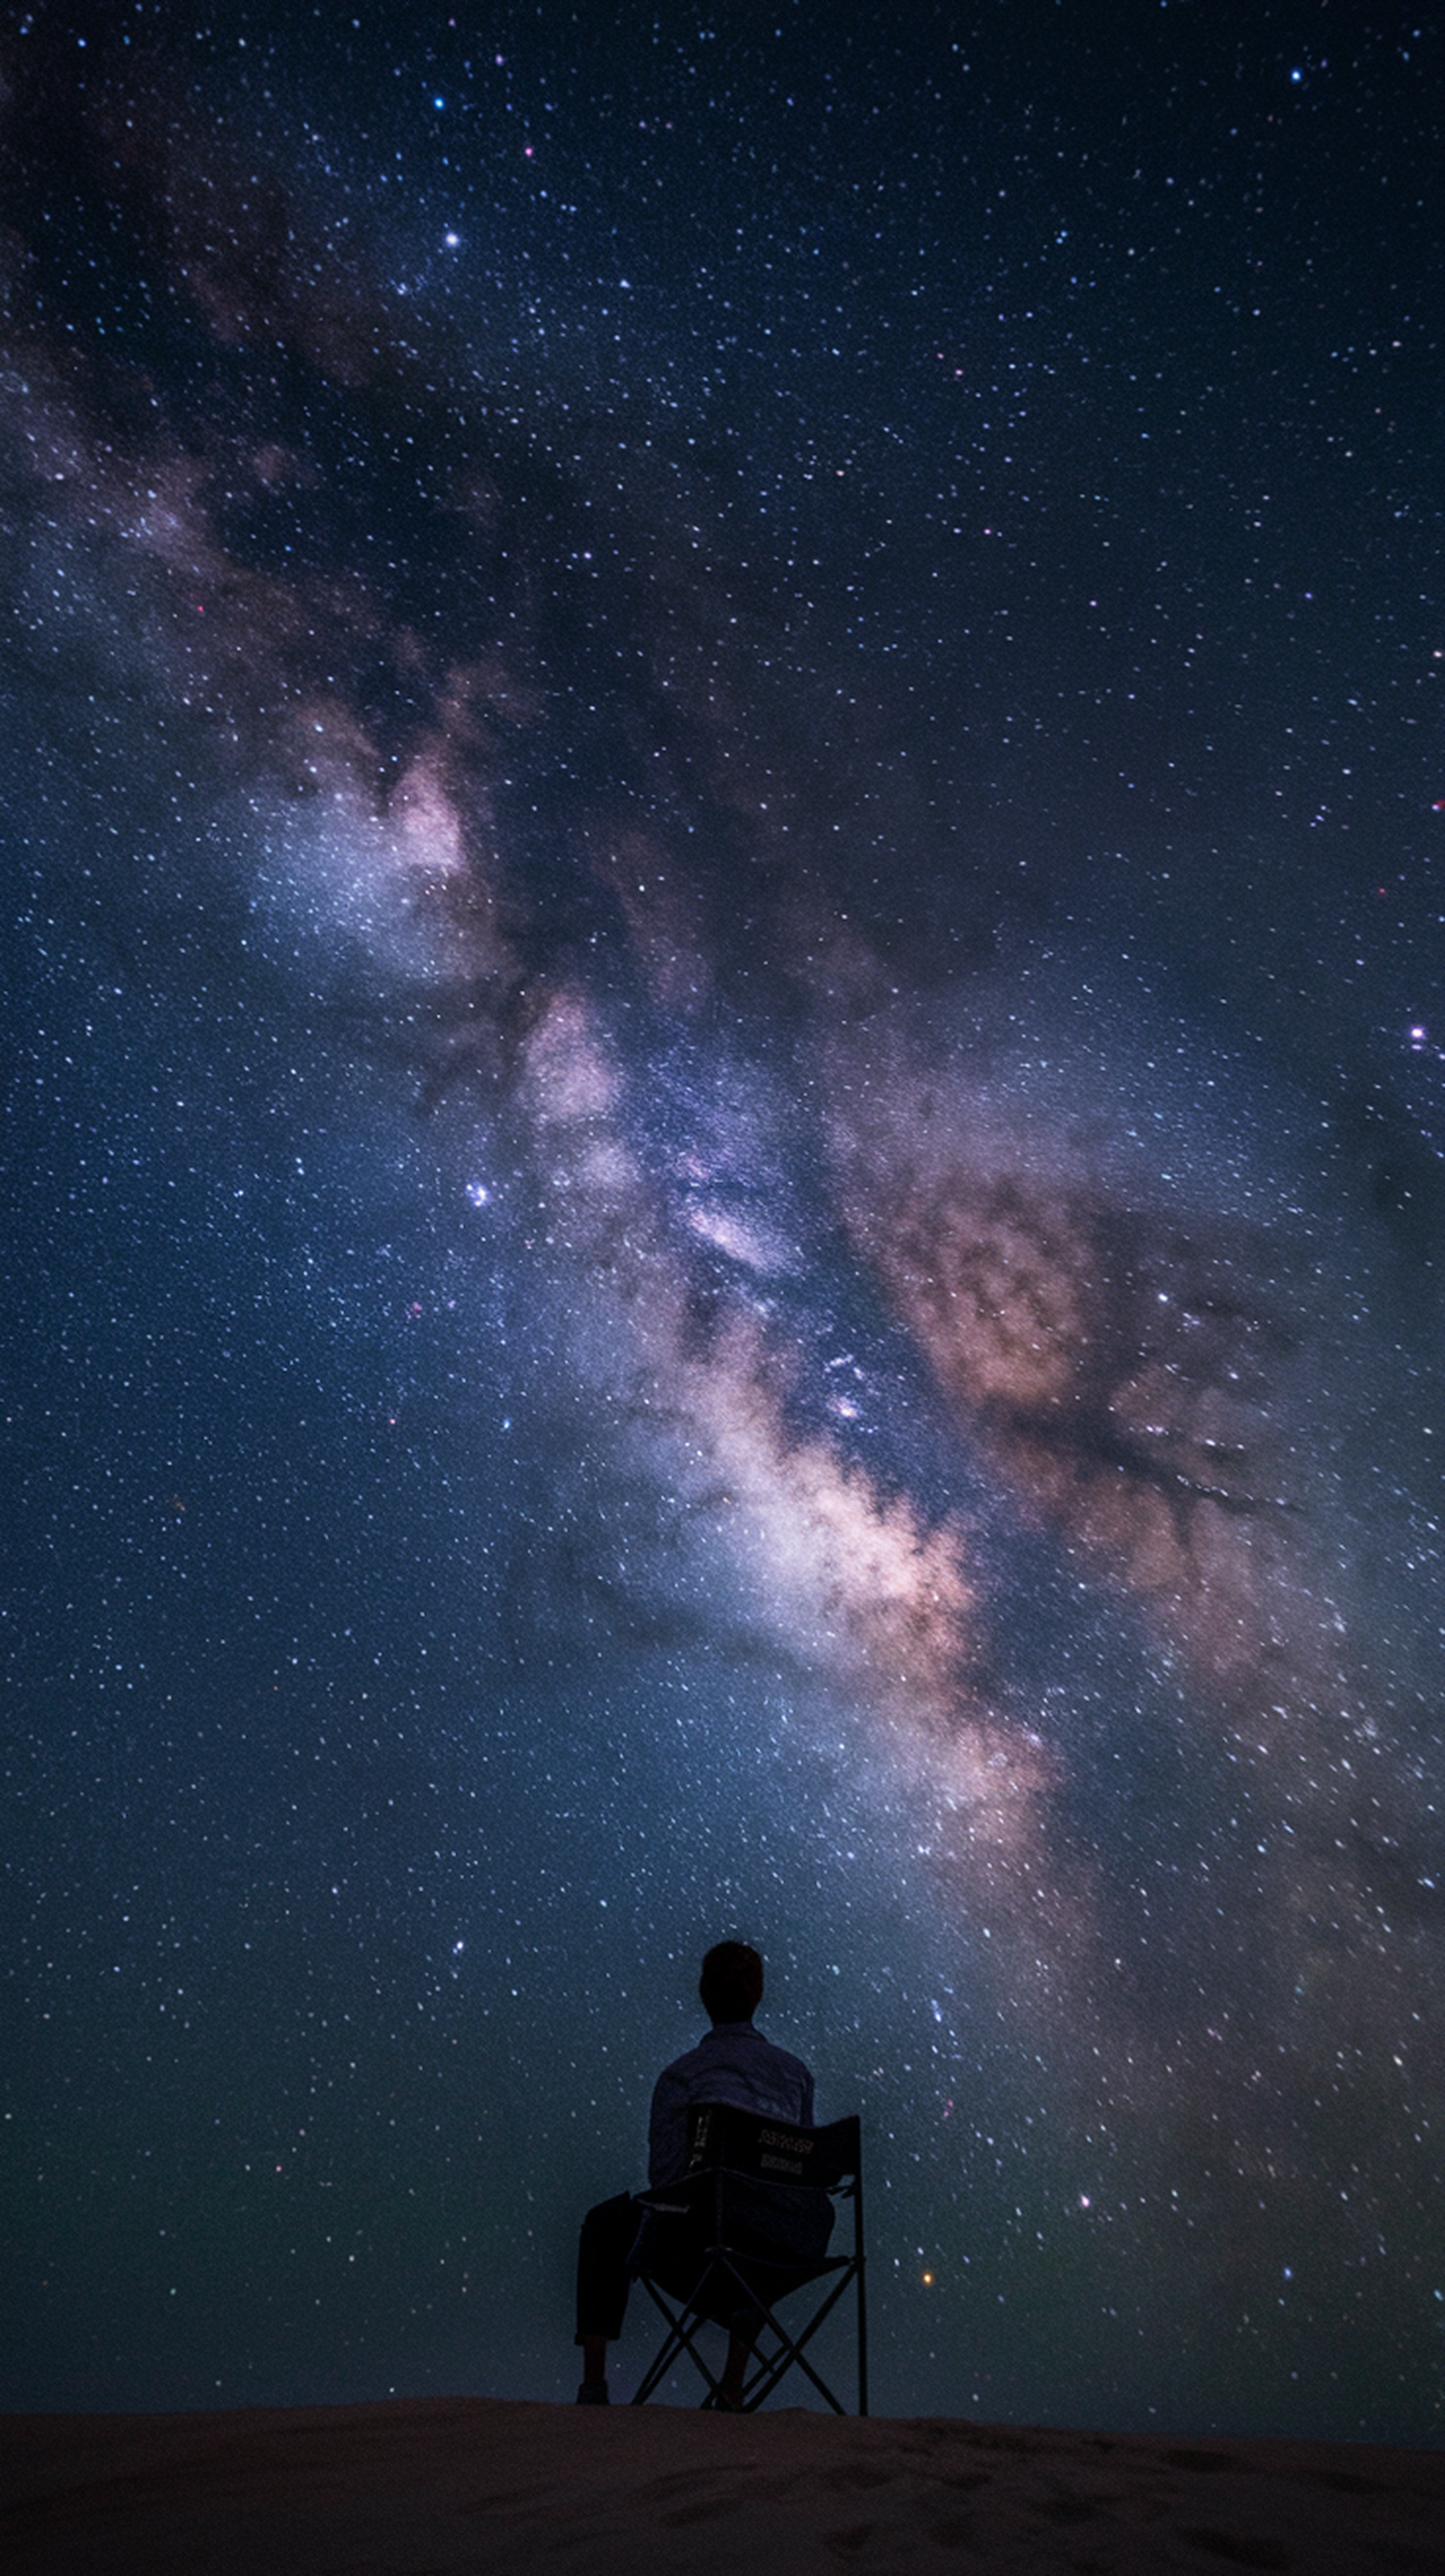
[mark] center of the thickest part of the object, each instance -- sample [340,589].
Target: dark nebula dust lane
[724,1181]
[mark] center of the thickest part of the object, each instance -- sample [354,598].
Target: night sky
[724,1013]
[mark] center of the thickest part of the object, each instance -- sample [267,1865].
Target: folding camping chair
[720,2252]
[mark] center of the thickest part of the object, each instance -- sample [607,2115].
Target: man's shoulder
[735,2041]
[785,2057]
[679,2069]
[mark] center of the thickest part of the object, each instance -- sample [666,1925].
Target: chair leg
[682,2325]
[790,2352]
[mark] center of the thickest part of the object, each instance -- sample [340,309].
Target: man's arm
[667,2129]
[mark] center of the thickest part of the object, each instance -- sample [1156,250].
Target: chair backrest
[769,2150]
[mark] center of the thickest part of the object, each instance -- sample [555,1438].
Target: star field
[723,992]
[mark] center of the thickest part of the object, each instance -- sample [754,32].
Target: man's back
[733,2063]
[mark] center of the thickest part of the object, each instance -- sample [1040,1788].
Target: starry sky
[724,1021]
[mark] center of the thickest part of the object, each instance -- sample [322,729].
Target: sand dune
[423,2486]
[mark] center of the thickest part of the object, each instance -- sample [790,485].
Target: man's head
[731,1984]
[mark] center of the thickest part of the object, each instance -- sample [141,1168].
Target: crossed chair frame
[727,2146]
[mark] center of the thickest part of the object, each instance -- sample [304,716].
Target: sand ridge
[422,2487]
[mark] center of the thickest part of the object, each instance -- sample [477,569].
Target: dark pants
[604,2261]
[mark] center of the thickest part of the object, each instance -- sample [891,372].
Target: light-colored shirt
[734,2063]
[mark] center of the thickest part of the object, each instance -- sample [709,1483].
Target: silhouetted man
[734,2063]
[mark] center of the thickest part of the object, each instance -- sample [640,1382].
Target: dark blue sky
[724,1198]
